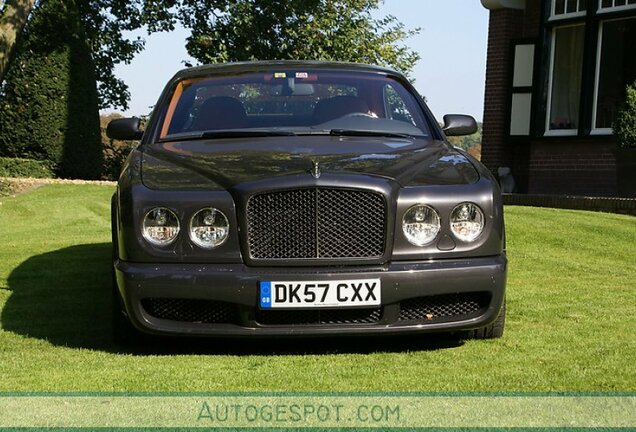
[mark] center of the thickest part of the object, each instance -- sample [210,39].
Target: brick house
[555,75]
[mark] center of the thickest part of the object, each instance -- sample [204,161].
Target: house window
[615,69]
[568,8]
[522,79]
[581,99]
[612,5]
[566,68]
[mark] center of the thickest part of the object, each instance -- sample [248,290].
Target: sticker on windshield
[302,75]
[280,75]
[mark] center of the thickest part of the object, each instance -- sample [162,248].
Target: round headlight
[467,221]
[209,228]
[420,224]
[160,226]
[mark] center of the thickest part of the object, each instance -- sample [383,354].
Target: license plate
[312,294]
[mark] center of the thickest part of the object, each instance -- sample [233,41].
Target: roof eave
[503,4]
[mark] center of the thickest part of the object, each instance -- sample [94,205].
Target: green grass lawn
[571,317]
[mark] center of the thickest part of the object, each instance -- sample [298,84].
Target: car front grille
[191,310]
[324,317]
[448,307]
[316,223]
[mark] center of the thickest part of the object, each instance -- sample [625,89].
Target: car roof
[256,66]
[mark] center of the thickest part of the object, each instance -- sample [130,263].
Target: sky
[450,74]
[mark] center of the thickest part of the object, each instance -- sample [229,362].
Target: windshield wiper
[245,133]
[230,133]
[369,133]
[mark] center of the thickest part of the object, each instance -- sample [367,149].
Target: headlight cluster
[421,223]
[208,227]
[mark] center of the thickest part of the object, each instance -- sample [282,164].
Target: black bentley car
[303,198]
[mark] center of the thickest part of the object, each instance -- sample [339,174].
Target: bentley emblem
[315,171]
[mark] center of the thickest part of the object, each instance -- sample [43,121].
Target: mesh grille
[191,310]
[443,307]
[316,223]
[328,316]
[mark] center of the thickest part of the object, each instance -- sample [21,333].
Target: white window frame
[555,17]
[613,8]
[548,131]
[597,76]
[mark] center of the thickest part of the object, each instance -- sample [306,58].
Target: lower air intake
[191,310]
[448,307]
[318,317]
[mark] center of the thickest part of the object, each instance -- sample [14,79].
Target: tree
[12,19]
[105,24]
[338,30]
[49,103]
[49,106]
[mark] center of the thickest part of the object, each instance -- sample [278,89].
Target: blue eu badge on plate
[266,295]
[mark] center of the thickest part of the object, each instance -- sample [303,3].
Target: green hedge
[18,167]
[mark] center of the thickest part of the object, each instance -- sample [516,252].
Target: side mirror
[459,124]
[125,129]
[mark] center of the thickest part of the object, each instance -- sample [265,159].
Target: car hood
[223,163]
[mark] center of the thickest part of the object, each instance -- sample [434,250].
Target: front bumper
[222,299]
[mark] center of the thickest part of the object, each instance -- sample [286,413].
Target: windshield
[293,102]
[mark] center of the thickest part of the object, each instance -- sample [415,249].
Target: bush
[5,188]
[115,154]
[17,167]
[625,123]
[49,103]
